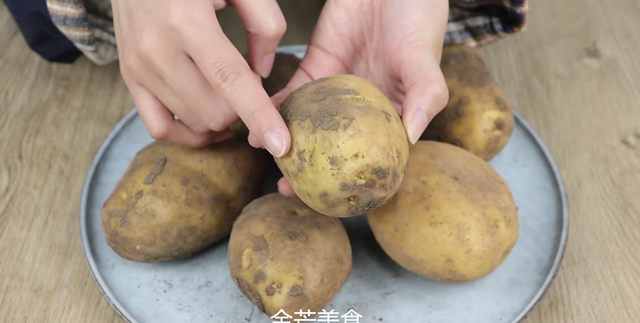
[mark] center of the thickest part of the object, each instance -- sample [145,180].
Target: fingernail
[267,65]
[275,143]
[417,125]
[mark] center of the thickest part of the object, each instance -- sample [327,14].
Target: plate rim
[125,315]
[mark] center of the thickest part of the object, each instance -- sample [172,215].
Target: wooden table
[574,74]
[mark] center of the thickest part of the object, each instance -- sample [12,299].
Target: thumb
[426,91]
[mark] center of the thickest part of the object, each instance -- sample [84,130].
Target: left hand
[397,45]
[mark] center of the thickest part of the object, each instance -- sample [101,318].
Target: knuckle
[148,47]
[159,131]
[201,129]
[177,20]
[225,77]
[217,124]
[274,29]
[441,91]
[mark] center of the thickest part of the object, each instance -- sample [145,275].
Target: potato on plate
[478,116]
[173,201]
[285,256]
[453,219]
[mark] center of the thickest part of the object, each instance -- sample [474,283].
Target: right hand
[177,61]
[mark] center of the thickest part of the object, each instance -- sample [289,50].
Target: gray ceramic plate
[200,289]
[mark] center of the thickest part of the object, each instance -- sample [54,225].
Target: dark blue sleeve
[40,33]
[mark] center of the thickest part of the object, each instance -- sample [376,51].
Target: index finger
[228,72]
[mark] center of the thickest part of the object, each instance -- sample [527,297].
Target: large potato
[283,255]
[174,201]
[478,116]
[349,151]
[453,219]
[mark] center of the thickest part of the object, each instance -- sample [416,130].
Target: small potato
[349,150]
[453,219]
[284,66]
[478,116]
[174,201]
[283,255]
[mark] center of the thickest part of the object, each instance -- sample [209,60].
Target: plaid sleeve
[89,23]
[475,23]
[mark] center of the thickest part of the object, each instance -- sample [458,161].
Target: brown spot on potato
[270,290]
[370,184]
[121,215]
[296,290]
[346,125]
[362,208]
[185,233]
[340,261]
[387,116]
[259,277]
[456,110]
[501,104]
[334,161]
[260,244]
[297,236]
[251,294]
[347,187]
[449,260]
[380,173]
[395,178]
[139,195]
[301,160]
[156,170]
[322,92]
[328,202]
[499,124]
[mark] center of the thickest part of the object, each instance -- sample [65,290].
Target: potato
[284,66]
[172,201]
[349,150]
[453,219]
[283,255]
[478,116]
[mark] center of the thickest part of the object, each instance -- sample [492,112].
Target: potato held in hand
[453,219]
[283,255]
[478,116]
[349,150]
[174,201]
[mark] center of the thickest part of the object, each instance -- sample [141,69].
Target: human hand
[177,61]
[397,45]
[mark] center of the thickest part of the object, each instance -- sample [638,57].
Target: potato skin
[349,150]
[453,219]
[284,255]
[478,116]
[173,201]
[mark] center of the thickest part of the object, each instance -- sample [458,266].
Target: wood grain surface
[574,74]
